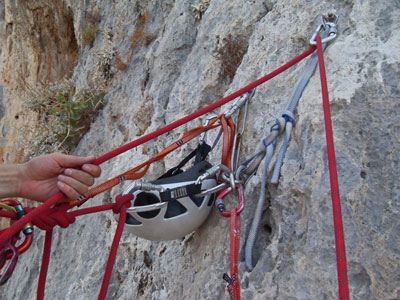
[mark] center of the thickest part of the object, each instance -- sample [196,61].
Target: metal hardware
[142,185]
[206,122]
[8,252]
[239,103]
[145,208]
[327,23]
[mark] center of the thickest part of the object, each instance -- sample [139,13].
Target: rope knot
[53,217]
[122,201]
[289,117]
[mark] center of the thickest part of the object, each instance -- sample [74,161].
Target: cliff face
[38,46]
[161,60]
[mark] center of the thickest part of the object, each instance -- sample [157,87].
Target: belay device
[171,206]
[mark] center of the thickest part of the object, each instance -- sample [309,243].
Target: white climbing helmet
[171,207]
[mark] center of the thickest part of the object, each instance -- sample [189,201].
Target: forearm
[10,180]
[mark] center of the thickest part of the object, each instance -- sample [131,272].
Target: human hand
[46,175]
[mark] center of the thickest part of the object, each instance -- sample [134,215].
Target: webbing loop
[289,117]
[328,30]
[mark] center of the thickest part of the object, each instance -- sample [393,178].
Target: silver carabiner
[239,103]
[206,122]
[327,22]
[214,189]
[146,208]
[142,185]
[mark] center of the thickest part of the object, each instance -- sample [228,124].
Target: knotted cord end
[53,217]
[122,201]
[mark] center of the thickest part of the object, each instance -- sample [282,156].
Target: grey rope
[286,122]
[255,225]
[288,115]
[290,122]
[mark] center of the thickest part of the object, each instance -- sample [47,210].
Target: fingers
[71,187]
[80,176]
[73,182]
[72,160]
[93,170]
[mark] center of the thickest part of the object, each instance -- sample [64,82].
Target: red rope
[115,244]
[204,110]
[233,287]
[120,206]
[59,215]
[337,211]
[8,214]
[91,210]
[45,264]
[18,225]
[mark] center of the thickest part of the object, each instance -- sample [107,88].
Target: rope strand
[336,207]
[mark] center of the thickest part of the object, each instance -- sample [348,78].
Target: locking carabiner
[220,202]
[28,229]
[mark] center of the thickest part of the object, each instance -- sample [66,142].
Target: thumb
[73,160]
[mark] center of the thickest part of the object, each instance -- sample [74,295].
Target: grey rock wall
[177,72]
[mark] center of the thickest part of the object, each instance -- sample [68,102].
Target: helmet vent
[174,209]
[131,220]
[211,200]
[143,199]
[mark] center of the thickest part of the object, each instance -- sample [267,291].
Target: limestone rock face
[37,45]
[165,65]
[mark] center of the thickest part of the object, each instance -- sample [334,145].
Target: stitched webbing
[140,170]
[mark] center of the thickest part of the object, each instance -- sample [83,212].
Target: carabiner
[239,103]
[142,185]
[222,195]
[8,252]
[230,179]
[207,121]
[146,208]
[329,21]
[28,229]
[238,136]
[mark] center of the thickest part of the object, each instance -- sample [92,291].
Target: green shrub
[64,115]
[89,34]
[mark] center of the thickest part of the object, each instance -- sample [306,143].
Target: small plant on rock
[140,36]
[91,28]
[89,34]
[64,115]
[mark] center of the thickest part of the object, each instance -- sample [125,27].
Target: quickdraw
[232,177]
[283,124]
